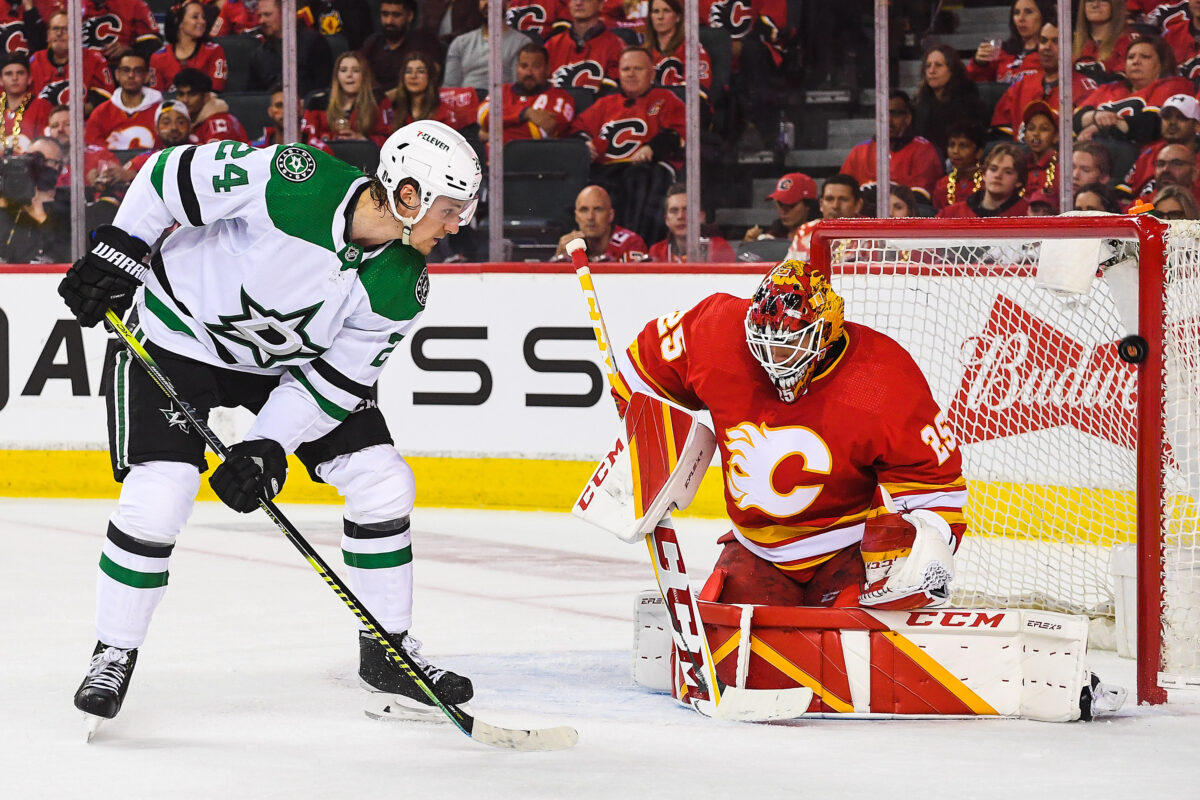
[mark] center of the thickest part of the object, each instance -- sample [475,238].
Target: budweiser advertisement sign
[1023,375]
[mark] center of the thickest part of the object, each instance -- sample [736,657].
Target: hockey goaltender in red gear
[843,483]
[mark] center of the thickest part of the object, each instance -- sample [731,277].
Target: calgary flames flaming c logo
[756,451]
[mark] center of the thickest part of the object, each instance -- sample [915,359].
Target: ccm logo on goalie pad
[598,477]
[955,619]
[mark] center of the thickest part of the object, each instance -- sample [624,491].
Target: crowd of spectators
[979,137]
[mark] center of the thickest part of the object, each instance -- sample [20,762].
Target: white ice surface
[246,687]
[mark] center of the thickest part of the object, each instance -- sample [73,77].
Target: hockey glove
[255,470]
[106,277]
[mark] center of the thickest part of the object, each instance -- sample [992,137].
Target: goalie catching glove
[909,561]
[106,277]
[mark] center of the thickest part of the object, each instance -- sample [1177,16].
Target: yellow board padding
[1095,516]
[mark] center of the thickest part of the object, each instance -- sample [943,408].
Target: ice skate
[393,694]
[103,688]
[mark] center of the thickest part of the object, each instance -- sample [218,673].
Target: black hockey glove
[106,277]
[255,469]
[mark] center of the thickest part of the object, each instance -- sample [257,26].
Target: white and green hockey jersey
[260,277]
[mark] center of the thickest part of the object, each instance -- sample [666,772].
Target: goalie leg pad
[908,560]
[653,666]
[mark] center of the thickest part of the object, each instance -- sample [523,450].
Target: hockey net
[1073,456]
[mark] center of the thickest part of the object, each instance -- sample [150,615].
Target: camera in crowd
[21,176]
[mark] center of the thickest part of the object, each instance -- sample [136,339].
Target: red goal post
[1072,453]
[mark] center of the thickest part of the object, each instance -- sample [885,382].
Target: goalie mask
[793,319]
[437,161]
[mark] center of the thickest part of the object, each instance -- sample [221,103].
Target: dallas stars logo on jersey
[271,336]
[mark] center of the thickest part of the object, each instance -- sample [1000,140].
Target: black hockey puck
[1133,349]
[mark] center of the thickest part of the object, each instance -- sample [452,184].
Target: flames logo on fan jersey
[581,74]
[12,38]
[101,30]
[756,451]
[623,136]
[56,93]
[734,16]
[1125,107]
[526,18]
[135,137]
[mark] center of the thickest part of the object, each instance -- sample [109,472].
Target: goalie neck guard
[437,161]
[793,319]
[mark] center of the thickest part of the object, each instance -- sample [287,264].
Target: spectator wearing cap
[1039,85]
[172,125]
[964,148]
[1041,204]
[1180,116]
[23,117]
[674,247]
[1040,126]
[840,197]
[1090,163]
[915,161]
[795,199]
[1005,171]
[211,120]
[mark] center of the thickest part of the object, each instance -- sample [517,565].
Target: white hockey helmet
[438,160]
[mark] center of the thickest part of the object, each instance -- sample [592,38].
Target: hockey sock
[378,558]
[131,580]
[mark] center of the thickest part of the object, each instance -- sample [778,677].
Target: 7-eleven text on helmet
[793,319]
[437,160]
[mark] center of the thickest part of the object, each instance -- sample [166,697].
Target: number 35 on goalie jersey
[260,275]
[801,478]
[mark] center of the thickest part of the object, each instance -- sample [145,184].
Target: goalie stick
[710,696]
[557,738]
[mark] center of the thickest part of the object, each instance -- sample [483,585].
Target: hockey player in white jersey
[290,280]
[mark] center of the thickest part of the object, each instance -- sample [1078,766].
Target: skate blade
[397,708]
[93,725]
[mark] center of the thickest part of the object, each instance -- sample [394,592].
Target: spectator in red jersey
[664,41]
[418,97]
[1180,26]
[187,46]
[1041,85]
[674,247]
[348,110]
[636,141]
[539,18]
[1016,56]
[915,161]
[626,14]
[350,19]
[49,70]
[1004,173]
[113,26]
[314,61]
[605,241]
[110,178]
[397,37]
[1041,137]
[23,117]
[1090,163]
[1095,197]
[1175,165]
[273,133]
[795,199]
[1180,117]
[1041,204]
[231,17]
[22,28]
[841,197]
[1102,37]
[468,57]
[963,151]
[1175,202]
[1129,110]
[533,109]
[96,160]
[210,117]
[585,55]
[946,95]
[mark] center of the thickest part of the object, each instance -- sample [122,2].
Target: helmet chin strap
[407,222]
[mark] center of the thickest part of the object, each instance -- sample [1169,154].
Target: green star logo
[295,164]
[271,336]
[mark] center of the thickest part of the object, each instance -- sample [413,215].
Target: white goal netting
[1045,410]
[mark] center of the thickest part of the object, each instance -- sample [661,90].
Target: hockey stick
[557,738]
[713,698]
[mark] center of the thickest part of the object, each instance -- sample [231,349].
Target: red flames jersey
[1008,68]
[618,126]
[591,65]
[458,107]
[1010,109]
[219,127]
[555,101]
[112,127]
[735,16]
[916,164]
[234,18]
[535,16]
[1118,98]
[624,245]
[802,478]
[1184,39]
[19,133]
[209,58]
[669,68]
[124,21]
[50,81]
[719,251]
[965,185]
